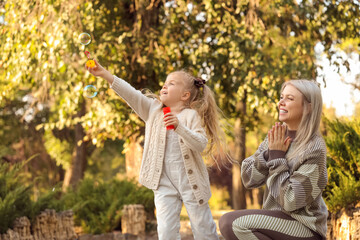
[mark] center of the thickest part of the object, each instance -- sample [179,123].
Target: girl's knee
[168,231]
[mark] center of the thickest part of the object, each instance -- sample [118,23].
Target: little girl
[172,165]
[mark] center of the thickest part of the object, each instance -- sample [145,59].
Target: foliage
[342,195]
[107,162]
[342,140]
[14,195]
[59,150]
[219,199]
[246,49]
[97,205]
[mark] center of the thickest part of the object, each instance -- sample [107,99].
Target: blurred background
[64,149]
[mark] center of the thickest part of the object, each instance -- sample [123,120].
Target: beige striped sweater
[294,186]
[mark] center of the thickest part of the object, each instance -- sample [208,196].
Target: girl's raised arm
[134,98]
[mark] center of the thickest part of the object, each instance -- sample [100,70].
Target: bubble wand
[167,110]
[90,63]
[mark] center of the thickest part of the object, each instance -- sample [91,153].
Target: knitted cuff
[273,154]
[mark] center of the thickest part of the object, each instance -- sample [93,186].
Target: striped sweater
[294,186]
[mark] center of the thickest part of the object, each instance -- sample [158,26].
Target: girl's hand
[97,71]
[100,71]
[171,119]
[277,140]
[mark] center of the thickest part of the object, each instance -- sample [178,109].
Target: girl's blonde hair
[203,101]
[312,110]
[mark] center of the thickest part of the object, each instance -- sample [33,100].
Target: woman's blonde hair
[203,101]
[312,110]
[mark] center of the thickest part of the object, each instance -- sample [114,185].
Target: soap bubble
[90,91]
[85,38]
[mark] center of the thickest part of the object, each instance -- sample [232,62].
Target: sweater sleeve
[193,135]
[134,98]
[254,171]
[298,189]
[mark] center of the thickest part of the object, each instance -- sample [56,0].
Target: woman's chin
[282,119]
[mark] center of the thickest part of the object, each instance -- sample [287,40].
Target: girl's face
[291,107]
[174,93]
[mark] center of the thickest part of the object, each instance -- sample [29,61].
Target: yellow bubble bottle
[89,63]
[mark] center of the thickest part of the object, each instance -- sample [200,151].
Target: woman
[291,163]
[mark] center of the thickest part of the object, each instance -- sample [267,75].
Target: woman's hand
[171,119]
[277,140]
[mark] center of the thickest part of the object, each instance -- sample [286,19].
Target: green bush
[342,140]
[14,195]
[97,205]
[344,194]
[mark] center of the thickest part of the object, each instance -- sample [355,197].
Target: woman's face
[291,107]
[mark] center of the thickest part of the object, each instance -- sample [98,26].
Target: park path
[185,228]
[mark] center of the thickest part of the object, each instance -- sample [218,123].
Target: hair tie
[199,82]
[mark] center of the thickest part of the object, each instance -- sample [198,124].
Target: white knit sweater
[192,140]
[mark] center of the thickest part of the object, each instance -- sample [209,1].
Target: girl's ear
[185,96]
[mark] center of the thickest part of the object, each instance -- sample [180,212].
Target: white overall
[174,189]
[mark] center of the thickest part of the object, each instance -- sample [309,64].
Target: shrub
[342,140]
[14,195]
[97,205]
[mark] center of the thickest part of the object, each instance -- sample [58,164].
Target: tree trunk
[76,171]
[238,189]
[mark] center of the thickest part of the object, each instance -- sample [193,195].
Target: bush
[342,140]
[14,195]
[344,195]
[97,205]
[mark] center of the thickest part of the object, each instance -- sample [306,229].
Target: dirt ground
[185,228]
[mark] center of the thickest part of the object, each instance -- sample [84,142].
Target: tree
[246,49]
[42,55]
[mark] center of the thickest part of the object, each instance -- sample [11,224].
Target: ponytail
[202,100]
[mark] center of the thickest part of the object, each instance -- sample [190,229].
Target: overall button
[186,156]
[190,171]
[195,186]
[201,201]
